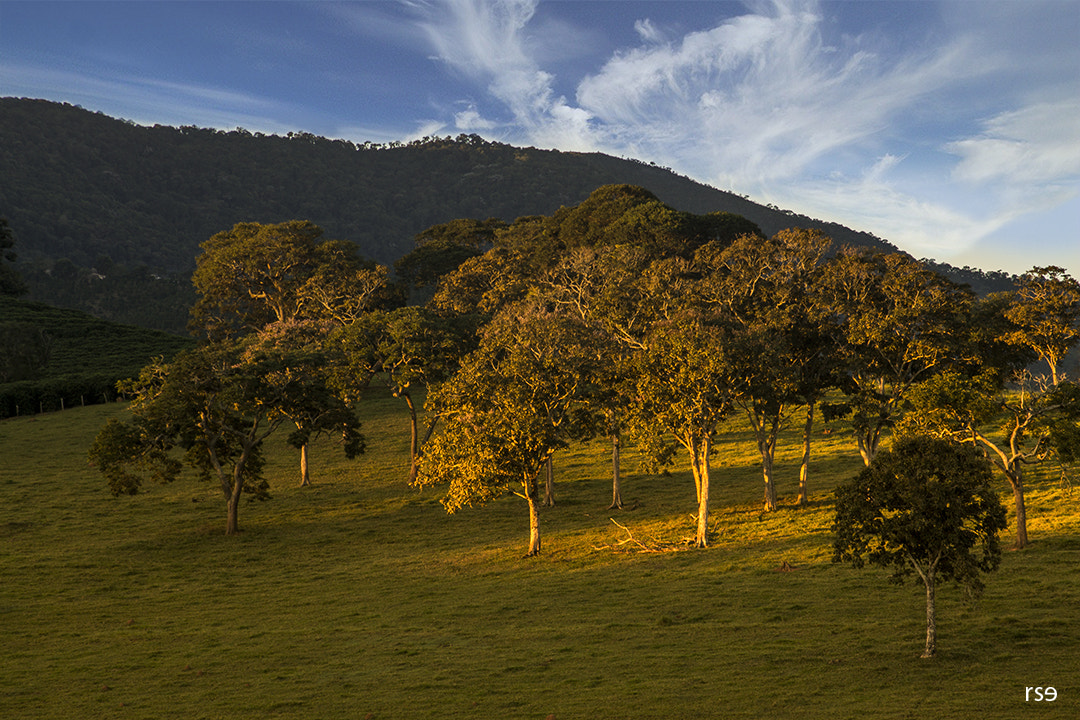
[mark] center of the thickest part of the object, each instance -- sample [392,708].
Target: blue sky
[949,128]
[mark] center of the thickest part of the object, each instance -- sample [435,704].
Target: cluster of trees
[618,317]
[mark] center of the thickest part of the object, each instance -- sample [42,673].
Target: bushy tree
[764,289]
[898,322]
[1046,313]
[218,402]
[925,508]
[1014,423]
[512,403]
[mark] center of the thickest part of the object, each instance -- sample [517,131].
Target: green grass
[359,596]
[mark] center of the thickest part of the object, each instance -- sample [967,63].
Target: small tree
[924,508]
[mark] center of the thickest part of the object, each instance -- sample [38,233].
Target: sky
[950,128]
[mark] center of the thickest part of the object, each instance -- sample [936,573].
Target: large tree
[285,276]
[406,350]
[925,508]
[683,391]
[898,322]
[1013,423]
[764,288]
[219,402]
[511,404]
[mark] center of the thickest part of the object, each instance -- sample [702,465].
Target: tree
[254,276]
[764,289]
[924,508]
[404,349]
[964,408]
[319,410]
[600,288]
[219,402]
[683,389]
[1046,311]
[442,248]
[10,282]
[897,322]
[511,404]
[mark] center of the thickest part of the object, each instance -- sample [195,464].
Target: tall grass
[360,596]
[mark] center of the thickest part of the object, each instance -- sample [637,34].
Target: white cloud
[1036,144]
[470,120]
[488,41]
[758,97]
[648,32]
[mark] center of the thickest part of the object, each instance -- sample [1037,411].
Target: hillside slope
[104,210]
[52,357]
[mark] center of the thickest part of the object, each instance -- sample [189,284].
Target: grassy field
[359,597]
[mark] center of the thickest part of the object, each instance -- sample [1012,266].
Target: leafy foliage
[924,503]
[924,508]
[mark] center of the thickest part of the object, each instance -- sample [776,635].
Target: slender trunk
[766,430]
[532,495]
[1016,480]
[931,615]
[867,445]
[767,474]
[414,439]
[804,467]
[305,476]
[616,490]
[702,539]
[549,484]
[232,522]
[695,464]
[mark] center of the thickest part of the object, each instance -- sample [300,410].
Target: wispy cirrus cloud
[489,42]
[1037,144]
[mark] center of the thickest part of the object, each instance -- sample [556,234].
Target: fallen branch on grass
[656,546]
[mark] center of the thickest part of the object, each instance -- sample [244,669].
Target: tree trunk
[232,523]
[929,576]
[868,442]
[414,439]
[1016,480]
[931,615]
[691,446]
[532,495]
[549,484]
[616,490]
[702,539]
[766,432]
[767,474]
[305,476]
[804,467]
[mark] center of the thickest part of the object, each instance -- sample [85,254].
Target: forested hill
[108,215]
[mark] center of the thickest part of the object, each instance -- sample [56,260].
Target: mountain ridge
[93,199]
